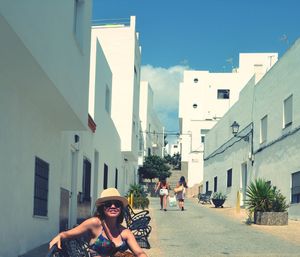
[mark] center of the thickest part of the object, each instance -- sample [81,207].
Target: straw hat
[111,194]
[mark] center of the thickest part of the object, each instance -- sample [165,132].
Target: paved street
[206,231]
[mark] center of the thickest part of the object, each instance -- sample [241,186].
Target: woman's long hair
[182,181]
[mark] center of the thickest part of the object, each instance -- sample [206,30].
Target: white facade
[271,108]
[121,48]
[204,98]
[107,142]
[152,140]
[44,91]
[173,149]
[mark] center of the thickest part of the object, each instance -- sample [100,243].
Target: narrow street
[206,231]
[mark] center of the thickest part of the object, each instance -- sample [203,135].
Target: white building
[269,118]
[152,138]
[120,44]
[204,98]
[44,71]
[173,149]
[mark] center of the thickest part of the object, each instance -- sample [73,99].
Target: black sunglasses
[116,203]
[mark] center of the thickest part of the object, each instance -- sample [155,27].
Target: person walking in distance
[180,192]
[162,188]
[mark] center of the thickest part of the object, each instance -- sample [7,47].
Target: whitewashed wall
[44,89]
[277,158]
[121,48]
[152,128]
[46,29]
[200,88]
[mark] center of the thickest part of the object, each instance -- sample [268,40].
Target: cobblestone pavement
[207,231]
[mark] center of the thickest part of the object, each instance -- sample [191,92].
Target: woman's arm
[85,226]
[132,243]
[157,186]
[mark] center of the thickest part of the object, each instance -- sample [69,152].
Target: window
[196,80]
[223,94]
[135,71]
[288,111]
[86,180]
[229,178]
[215,184]
[206,186]
[202,139]
[41,185]
[263,129]
[107,100]
[116,179]
[203,132]
[105,175]
[78,21]
[296,187]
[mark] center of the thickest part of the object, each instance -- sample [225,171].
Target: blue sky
[201,35]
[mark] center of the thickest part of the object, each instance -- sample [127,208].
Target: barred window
[288,111]
[206,186]
[86,180]
[41,186]
[229,178]
[105,176]
[215,184]
[116,178]
[296,187]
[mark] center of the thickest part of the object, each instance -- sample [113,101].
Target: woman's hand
[132,243]
[56,240]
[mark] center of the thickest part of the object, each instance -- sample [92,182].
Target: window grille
[86,180]
[116,179]
[288,111]
[105,176]
[215,184]
[295,190]
[229,178]
[41,185]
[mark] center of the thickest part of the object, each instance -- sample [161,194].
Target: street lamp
[235,128]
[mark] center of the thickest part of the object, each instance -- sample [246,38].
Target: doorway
[64,209]
[243,182]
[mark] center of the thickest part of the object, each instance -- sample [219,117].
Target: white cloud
[165,85]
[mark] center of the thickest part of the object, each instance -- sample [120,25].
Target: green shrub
[261,196]
[140,200]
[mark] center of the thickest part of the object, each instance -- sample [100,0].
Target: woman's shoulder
[124,232]
[93,221]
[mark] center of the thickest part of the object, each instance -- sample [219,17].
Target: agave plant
[219,195]
[261,196]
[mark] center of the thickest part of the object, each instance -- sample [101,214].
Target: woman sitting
[107,233]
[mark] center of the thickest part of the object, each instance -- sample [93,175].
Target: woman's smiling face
[112,208]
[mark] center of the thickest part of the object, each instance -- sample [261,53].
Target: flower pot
[218,202]
[271,218]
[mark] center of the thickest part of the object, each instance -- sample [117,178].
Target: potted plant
[267,203]
[218,199]
[140,200]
